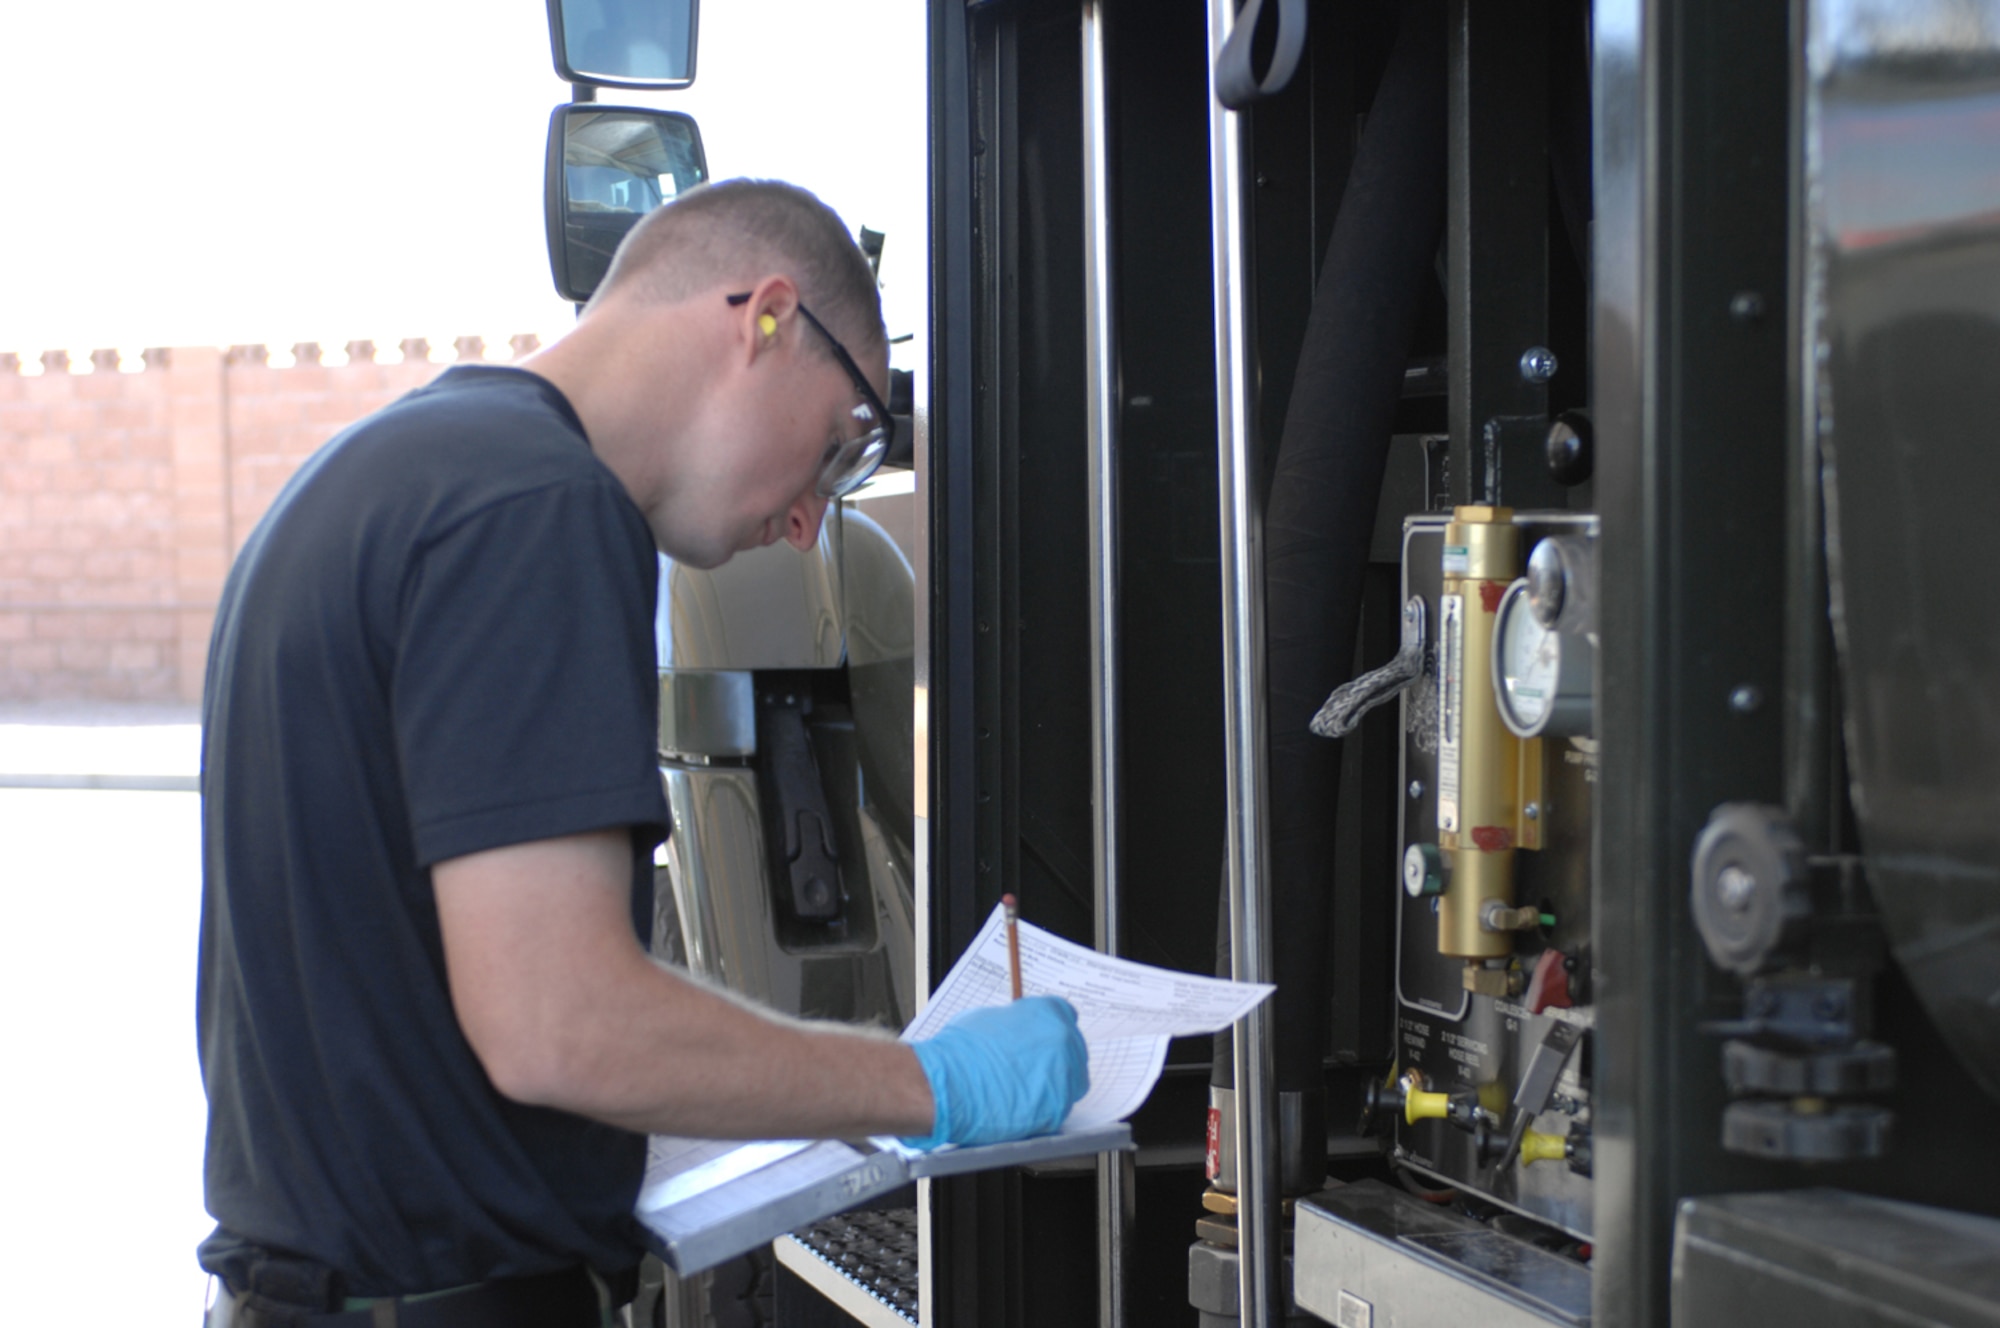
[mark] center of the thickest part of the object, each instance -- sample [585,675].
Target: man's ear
[770,315]
[802,521]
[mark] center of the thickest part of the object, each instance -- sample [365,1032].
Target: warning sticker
[1451,676]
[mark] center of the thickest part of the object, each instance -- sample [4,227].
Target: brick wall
[125,491]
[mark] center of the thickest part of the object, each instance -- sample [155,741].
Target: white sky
[226,171]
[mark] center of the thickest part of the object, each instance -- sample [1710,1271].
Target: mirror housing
[902,404]
[624,43]
[608,166]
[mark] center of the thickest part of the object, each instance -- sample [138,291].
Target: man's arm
[564,1009]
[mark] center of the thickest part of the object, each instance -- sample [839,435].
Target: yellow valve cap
[1539,1147]
[1419,1105]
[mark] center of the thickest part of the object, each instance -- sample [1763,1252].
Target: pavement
[100,886]
[79,745]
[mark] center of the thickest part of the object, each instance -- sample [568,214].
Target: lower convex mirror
[607,167]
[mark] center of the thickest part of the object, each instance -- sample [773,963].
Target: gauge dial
[1541,675]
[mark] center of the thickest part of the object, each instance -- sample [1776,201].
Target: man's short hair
[739,231]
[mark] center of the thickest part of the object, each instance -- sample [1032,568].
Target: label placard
[1451,678]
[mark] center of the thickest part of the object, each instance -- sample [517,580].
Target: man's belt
[567,1299]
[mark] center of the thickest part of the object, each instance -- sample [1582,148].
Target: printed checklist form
[1127,1011]
[702,1201]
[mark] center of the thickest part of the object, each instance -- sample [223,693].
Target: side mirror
[608,166]
[624,43]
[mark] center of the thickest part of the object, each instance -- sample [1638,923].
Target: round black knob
[1379,1104]
[1571,453]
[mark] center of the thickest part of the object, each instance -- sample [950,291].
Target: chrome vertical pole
[1259,1233]
[1114,1170]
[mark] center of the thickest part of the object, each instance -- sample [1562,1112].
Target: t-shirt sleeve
[524,687]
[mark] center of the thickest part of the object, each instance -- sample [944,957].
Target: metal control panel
[1492,1088]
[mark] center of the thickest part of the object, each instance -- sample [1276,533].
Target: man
[431,1040]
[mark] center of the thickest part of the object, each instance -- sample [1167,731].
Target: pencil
[1013,909]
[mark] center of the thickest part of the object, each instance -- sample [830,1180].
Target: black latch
[804,857]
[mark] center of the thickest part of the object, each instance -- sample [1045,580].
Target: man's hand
[1004,1072]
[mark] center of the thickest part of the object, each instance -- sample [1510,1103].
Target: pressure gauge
[1541,674]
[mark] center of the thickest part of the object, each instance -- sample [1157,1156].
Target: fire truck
[1461,509]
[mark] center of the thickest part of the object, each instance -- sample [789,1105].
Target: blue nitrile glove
[1004,1072]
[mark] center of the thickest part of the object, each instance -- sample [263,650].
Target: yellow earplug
[767,325]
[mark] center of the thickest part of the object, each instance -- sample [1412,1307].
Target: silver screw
[1533,811]
[1735,887]
[1746,698]
[1538,364]
[1416,789]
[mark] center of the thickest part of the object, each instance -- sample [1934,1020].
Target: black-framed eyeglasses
[849,462]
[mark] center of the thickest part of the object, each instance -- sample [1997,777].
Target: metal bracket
[1538,1081]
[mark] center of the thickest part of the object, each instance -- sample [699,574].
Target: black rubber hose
[1379,267]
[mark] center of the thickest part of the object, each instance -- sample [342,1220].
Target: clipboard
[702,1203]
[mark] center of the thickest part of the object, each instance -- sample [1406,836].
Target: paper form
[1126,1011]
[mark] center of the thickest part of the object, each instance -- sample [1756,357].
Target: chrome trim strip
[1260,1286]
[1114,1171]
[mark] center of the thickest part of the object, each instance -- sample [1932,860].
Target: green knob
[1423,871]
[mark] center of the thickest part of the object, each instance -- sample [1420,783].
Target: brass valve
[1479,759]
[1505,980]
[1496,916]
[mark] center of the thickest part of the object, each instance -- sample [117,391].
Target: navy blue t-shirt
[439,640]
